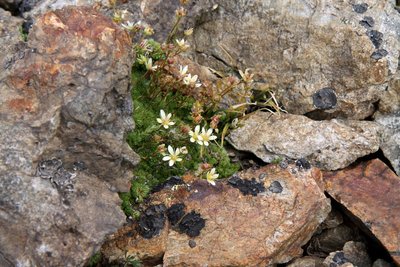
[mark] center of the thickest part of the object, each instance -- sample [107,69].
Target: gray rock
[381,263]
[10,41]
[390,139]
[329,145]
[333,220]
[64,112]
[306,261]
[298,48]
[356,253]
[337,259]
[330,240]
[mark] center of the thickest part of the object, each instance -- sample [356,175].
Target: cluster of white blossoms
[203,138]
[188,79]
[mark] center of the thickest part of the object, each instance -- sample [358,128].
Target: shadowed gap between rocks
[377,155]
[375,248]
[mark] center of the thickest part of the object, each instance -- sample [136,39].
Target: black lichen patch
[191,224]
[378,54]
[275,187]
[174,180]
[375,37]
[325,98]
[192,243]
[367,22]
[247,187]
[79,166]
[303,164]
[360,8]
[152,221]
[175,213]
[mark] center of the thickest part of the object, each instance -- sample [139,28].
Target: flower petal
[159,120]
[166,158]
[171,163]
[170,150]
[162,114]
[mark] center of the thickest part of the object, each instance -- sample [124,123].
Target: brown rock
[371,192]
[64,111]
[240,230]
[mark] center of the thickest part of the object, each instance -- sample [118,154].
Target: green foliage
[132,262]
[277,160]
[94,260]
[149,135]
[23,34]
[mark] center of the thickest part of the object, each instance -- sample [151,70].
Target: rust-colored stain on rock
[265,226]
[371,191]
[21,105]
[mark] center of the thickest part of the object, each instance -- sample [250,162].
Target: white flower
[195,135]
[211,176]
[246,76]
[173,156]
[149,65]
[128,26]
[148,31]
[207,136]
[188,32]
[183,70]
[191,80]
[182,44]
[165,120]
[184,150]
[142,59]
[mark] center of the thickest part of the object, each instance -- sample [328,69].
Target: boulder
[329,145]
[370,191]
[258,217]
[306,262]
[353,254]
[328,59]
[390,139]
[65,108]
[330,240]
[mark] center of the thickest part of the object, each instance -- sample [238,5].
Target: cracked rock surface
[298,48]
[329,145]
[237,228]
[64,111]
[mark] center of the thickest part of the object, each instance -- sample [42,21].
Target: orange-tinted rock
[371,192]
[266,226]
[65,108]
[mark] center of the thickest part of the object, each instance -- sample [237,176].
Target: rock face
[390,139]
[255,218]
[353,254]
[329,145]
[10,41]
[326,58]
[64,110]
[371,192]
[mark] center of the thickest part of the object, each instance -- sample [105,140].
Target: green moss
[148,135]
[277,160]
[94,260]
